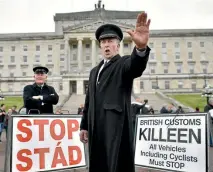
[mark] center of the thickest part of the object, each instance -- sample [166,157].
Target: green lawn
[192,100]
[10,101]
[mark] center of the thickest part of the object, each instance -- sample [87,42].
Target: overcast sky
[37,15]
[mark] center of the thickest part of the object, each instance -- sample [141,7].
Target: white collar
[40,85]
[106,60]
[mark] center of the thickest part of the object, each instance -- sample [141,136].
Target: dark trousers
[1,128]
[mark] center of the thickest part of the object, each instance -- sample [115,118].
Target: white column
[121,51]
[80,87]
[93,52]
[80,60]
[68,56]
[136,85]
[66,87]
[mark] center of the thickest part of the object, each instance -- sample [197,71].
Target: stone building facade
[180,60]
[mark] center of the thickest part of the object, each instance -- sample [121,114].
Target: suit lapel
[94,78]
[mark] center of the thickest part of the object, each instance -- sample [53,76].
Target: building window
[163,45]
[151,45]
[201,44]
[37,47]
[204,70]
[87,45]
[164,56]
[141,85]
[11,74]
[167,85]
[60,86]
[49,58]
[74,57]
[165,71]
[180,84]
[50,47]
[62,57]
[25,48]
[13,48]
[193,85]
[25,59]
[177,45]
[126,45]
[177,55]
[154,84]
[24,73]
[1,59]
[1,49]
[62,70]
[190,55]
[189,44]
[87,57]
[62,47]
[205,67]
[152,56]
[12,59]
[191,71]
[37,58]
[74,46]
[165,68]
[203,55]
[191,68]
[152,68]
[179,68]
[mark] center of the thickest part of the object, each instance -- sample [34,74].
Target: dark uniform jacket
[50,98]
[107,114]
[208,107]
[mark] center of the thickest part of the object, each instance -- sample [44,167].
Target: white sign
[169,142]
[44,143]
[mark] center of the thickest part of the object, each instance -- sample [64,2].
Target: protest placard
[172,143]
[43,144]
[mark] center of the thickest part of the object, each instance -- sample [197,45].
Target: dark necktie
[102,67]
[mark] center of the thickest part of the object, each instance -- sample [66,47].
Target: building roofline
[30,36]
[153,33]
[95,14]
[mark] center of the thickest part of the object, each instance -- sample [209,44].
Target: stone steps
[154,100]
[73,103]
[75,100]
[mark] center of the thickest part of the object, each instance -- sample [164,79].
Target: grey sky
[37,15]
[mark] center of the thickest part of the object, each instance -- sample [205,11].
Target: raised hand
[141,33]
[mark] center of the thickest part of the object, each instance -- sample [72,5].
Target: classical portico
[83,54]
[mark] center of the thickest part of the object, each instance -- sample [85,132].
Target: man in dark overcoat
[40,97]
[107,122]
